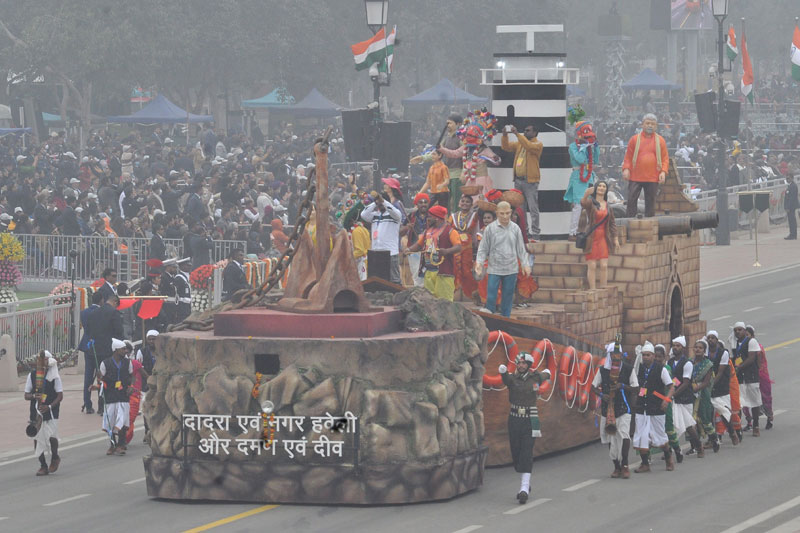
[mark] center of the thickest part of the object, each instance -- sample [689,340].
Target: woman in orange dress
[603,241]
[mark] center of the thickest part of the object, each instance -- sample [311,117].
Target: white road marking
[792,526]
[763,517]
[737,279]
[11,400]
[531,505]
[777,412]
[3,518]
[753,309]
[65,500]
[579,486]
[782,301]
[468,529]
[27,456]
[723,317]
[131,482]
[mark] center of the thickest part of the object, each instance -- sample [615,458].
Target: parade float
[320,397]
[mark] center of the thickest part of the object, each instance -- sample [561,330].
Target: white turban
[152,333]
[680,340]
[739,325]
[712,333]
[648,347]
[662,347]
[117,344]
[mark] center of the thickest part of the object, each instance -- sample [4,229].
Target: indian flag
[731,49]
[747,76]
[796,54]
[375,50]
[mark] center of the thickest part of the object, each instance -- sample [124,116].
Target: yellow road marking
[781,345]
[234,518]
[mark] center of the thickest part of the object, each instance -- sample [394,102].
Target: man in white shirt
[720,386]
[655,395]
[745,360]
[384,220]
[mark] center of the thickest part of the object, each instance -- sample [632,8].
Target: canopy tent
[278,97]
[314,105]
[161,111]
[444,93]
[647,80]
[15,131]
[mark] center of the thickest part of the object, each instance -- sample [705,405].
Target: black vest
[650,403]
[750,373]
[621,401]
[113,374]
[50,397]
[686,396]
[723,386]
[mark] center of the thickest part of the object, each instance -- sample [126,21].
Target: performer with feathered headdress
[475,155]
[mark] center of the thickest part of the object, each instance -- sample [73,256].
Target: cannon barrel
[677,225]
[704,220]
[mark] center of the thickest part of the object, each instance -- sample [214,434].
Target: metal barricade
[47,257]
[41,328]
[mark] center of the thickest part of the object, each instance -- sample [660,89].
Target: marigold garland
[268,422]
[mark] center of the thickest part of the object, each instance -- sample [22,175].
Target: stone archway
[675,311]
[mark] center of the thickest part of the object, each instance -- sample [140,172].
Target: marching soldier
[523,420]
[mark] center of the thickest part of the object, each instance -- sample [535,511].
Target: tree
[81,44]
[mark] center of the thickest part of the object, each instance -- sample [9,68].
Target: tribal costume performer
[523,420]
[655,395]
[615,382]
[584,154]
[764,381]
[465,221]
[721,385]
[669,427]
[702,374]
[746,363]
[683,405]
[44,391]
[116,372]
[474,153]
[439,244]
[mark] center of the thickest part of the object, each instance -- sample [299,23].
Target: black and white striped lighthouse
[531,88]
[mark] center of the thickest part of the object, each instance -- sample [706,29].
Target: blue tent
[161,111]
[314,105]
[277,97]
[444,93]
[647,80]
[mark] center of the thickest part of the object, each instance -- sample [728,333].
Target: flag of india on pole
[378,49]
[747,76]
[796,54]
[731,49]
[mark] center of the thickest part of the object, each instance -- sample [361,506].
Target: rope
[553,378]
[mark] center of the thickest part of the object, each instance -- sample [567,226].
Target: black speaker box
[660,14]
[379,264]
[394,146]
[356,127]
[729,121]
[706,114]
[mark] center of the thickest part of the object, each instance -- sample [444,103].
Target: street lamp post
[723,234]
[377,17]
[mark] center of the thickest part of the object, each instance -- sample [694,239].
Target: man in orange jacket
[645,166]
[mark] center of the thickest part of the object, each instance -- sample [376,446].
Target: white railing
[43,327]
[529,76]
[47,256]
